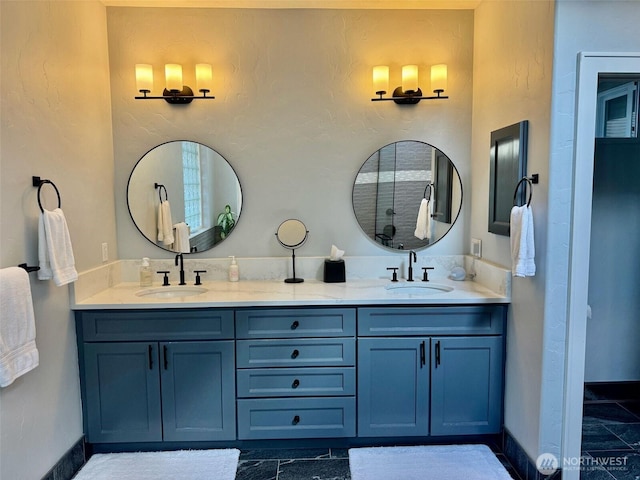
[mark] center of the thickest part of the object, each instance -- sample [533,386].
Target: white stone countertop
[272,293]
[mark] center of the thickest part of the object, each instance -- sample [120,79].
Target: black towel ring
[161,187]
[515,193]
[37,182]
[431,187]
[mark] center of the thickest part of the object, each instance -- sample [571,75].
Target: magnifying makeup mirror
[292,234]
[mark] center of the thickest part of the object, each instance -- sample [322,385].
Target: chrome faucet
[412,254]
[180,258]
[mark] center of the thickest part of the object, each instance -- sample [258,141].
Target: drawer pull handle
[295,354]
[295,384]
[296,420]
[295,325]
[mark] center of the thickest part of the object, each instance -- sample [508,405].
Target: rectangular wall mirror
[508,158]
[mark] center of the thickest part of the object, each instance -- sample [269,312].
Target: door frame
[589,66]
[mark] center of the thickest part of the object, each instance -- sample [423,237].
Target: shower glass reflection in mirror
[389,189]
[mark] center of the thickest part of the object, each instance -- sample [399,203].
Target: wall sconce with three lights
[409,92]
[175,92]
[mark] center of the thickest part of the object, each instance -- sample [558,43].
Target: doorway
[590,67]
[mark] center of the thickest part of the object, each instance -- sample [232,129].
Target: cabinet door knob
[295,354]
[295,384]
[295,325]
[296,420]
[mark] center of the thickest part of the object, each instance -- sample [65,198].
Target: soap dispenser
[146,276]
[234,274]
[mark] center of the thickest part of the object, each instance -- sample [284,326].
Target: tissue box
[334,271]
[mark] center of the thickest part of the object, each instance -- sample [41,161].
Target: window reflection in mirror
[618,106]
[389,189]
[202,191]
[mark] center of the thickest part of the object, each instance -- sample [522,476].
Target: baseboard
[521,462]
[611,391]
[69,463]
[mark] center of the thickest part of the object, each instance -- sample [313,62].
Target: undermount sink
[424,288]
[171,292]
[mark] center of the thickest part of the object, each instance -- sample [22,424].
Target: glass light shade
[203,77]
[439,77]
[173,77]
[381,78]
[409,78]
[144,77]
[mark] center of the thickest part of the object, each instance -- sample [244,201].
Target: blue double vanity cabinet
[292,372]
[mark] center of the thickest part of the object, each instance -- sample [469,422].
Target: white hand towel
[55,253]
[181,235]
[523,249]
[165,224]
[45,272]
[18,352]
[423,223]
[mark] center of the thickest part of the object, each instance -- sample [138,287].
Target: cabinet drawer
[296,418]
[173,324]
[296,382]
[297,322]
[406,321]
[313,352]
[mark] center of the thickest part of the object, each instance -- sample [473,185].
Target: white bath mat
[178,465]
[435,462]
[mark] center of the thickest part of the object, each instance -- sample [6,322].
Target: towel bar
[533,180]
[432,188]
[38,182]
[160,186]
[28,268]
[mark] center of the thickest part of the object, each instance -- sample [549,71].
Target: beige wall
[56,124]
[294,118]
[513,55]
[293,112]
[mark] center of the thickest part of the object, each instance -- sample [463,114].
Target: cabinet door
[466,385]
[122,392]
[393,387]
[198,390]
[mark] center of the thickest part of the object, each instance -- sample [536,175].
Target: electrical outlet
[105,252]
[476,247]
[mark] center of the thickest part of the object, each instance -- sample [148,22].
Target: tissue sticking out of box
[336,253]
[334,270]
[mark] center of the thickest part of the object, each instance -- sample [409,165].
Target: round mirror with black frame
[407,195]
[184,197]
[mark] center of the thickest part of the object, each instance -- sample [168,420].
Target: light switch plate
[476,247]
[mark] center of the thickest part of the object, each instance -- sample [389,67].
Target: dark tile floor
[306,464]
[611,432]
[610,445]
